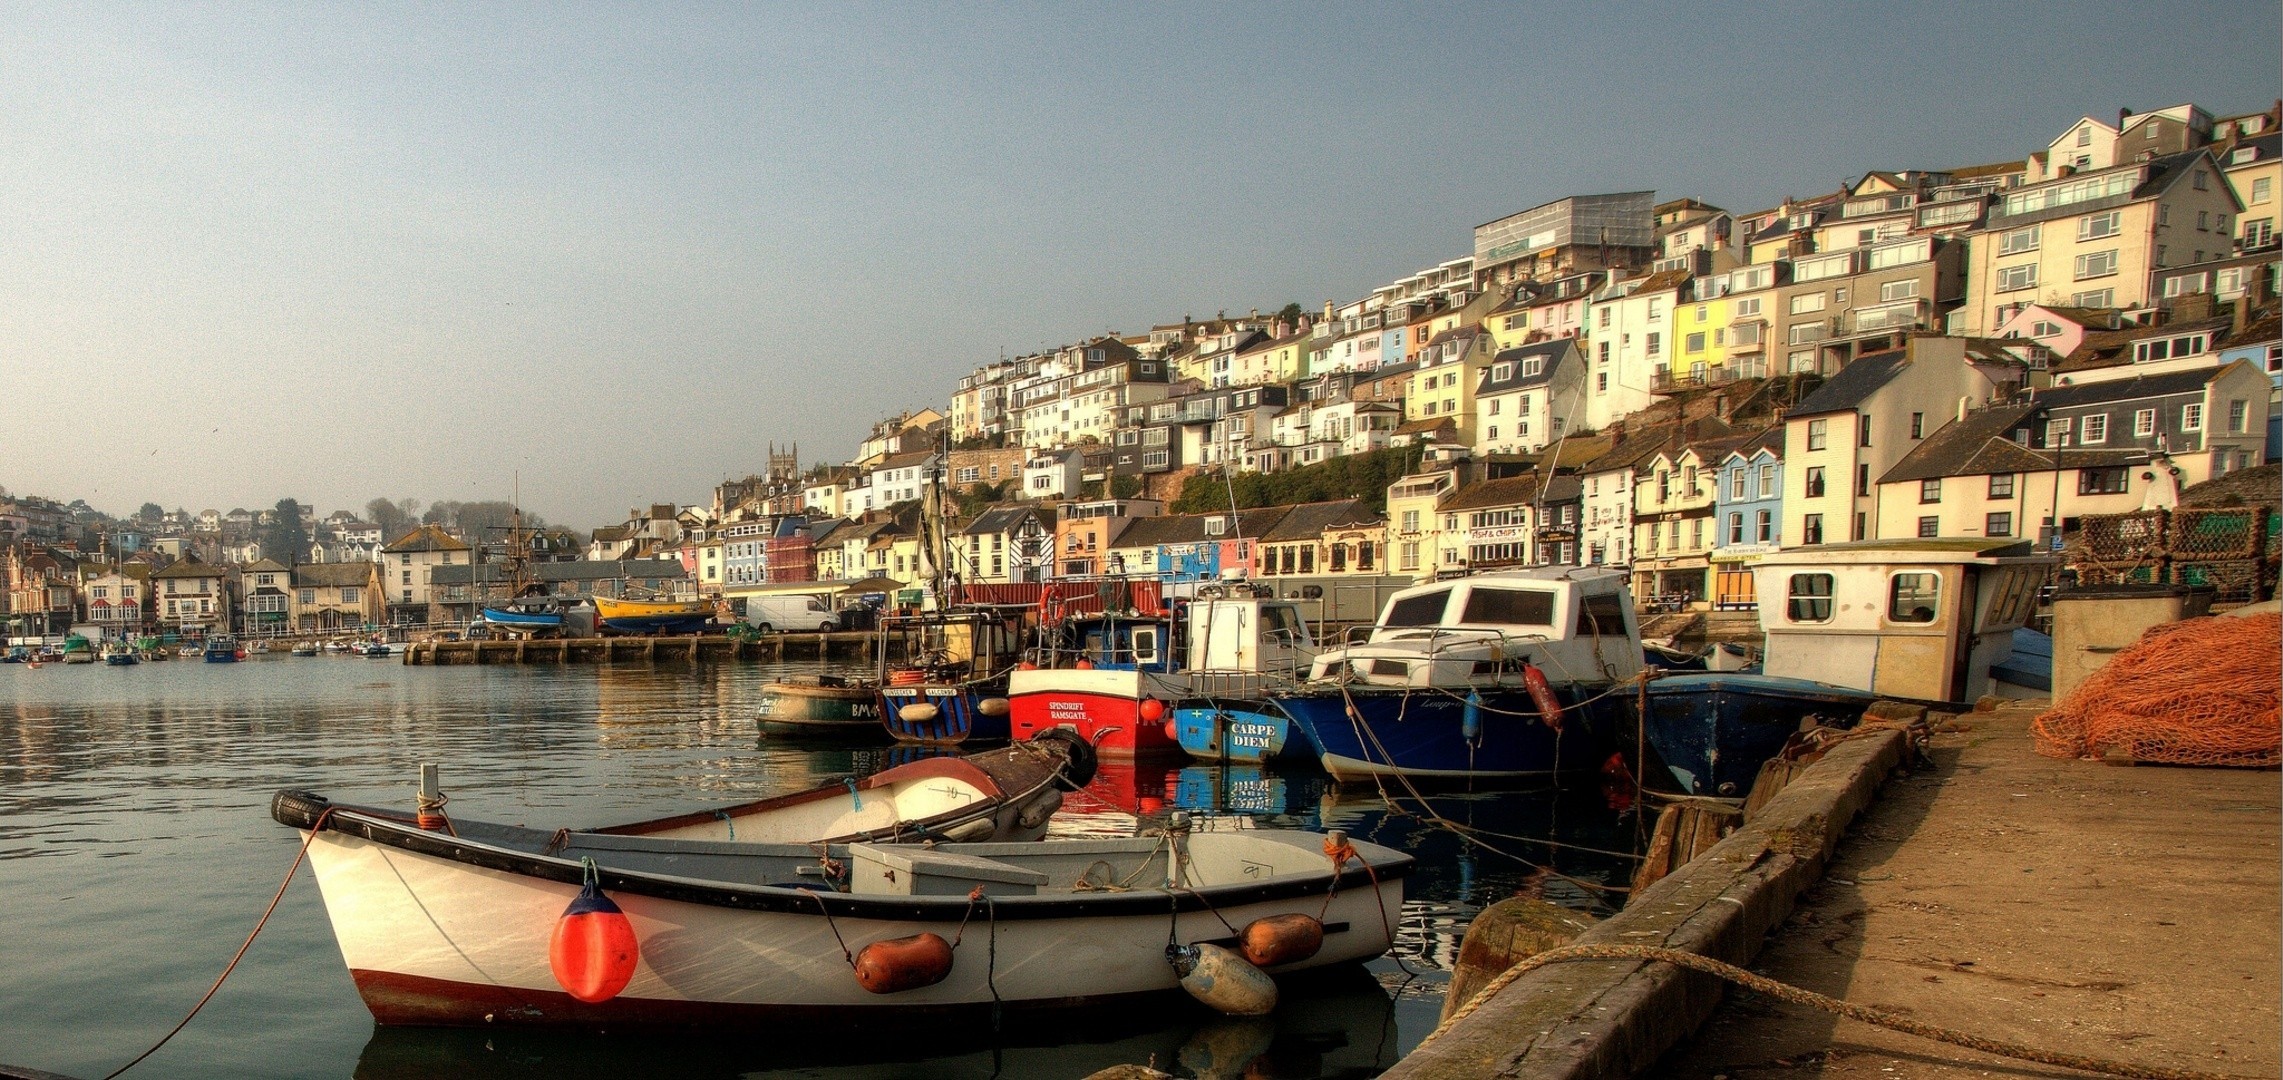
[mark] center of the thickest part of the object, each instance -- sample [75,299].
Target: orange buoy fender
[905,963]
[594,952]
[1151,710]
[1542,694]
[1280,939]
[992,706]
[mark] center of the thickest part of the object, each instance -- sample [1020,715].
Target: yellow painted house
[1700,339]
[1280,360]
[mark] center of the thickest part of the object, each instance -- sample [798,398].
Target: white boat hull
[432,939]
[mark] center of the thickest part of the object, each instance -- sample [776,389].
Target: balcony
[1703,377]
[1889,318]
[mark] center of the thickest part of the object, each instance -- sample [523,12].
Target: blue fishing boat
[525,615]
[1714,730]
[1240,640]
[952,687]
[222,649]
[1240,731]
[120,654]
[1510,674]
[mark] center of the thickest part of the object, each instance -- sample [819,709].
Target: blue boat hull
[1714,731]
[523,620]
[956,719]
[1240,731]
[1430,733]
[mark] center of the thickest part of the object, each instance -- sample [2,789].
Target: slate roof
[1854,384]
[1771,440]
[1190,528]
[1564,487]
[1444,427]
[2140,386]
[189,568]
[2264,149]
[1508,491]
[2255,486]
[263,566]
[583,570]
[1309,520]
[2109,348]
[1979,445]
[1554,352]
[1005,519]
[332,575]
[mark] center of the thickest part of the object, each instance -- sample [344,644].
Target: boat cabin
[957,643]
[1576,622]
[1915,619]
[1240,630]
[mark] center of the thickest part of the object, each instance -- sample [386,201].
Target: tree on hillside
[1292,310]
[1355,476]
[392,520]
[150,512]
[285,539]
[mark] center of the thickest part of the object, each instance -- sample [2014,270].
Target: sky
[602,256]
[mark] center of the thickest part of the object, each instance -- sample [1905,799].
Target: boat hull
[439,930]
[956,719]
[1240,731]
[653,616]
[524,622]
[1420,732]
[1713,732]
[1102,705]
[802,707]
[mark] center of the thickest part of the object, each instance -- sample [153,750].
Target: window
[1929,526]
[2096,430]
[1807,302]
[1811,529]
[1914,598]
[1764,526]
[2085,135]
[2097,264]
[1656,344]
[2096,226]
[1815,482]
[308,596]
[2015,278]
[1898,290]
[1410,521]
[1818,431]
[1997,524]
[2198,176]
[2001,486]
[2239,411]
[1508,607]
[1736,482]
[2108,481]
[2192,416]
[2096,298]
[1809,599]
[1930,491]
[1747,307]
[2171,348]
[1696,342]
[2017,241]
[1736,527]
[2143,423]
[1918,425]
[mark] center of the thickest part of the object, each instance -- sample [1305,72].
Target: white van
[789,614]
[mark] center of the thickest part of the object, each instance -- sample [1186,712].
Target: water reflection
[136,848]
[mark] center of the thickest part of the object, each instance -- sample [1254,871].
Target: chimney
[1328,311]
[2122,116]
[1616,433]
[2241,315]
[1965,404]
[2192,306]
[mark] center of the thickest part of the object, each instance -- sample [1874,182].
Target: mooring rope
[1786,992]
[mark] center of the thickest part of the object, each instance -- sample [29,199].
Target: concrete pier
[852,645]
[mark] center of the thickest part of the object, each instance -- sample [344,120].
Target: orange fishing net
[2199,692]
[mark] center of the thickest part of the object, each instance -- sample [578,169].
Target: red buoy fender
[1280,939]
[1542,695]
[593,952]
[905,963]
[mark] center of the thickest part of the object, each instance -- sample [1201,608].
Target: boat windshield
[1508,607]
[1425,609]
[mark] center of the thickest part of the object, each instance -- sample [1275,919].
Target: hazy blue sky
[334,253]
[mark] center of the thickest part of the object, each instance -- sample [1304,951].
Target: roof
[904,461]
[1979,445]
[1572,452]
[2108,348]
[262,566]
[2139,386]
[332,575]
[2264,150]
[1003,519]
[1190,528]
[1435,425]
[1309,520]
[1663,279]
[1771,441]
[583,570]
[1553,352]
[1507,491]
[428,538]
[1854,384]
[189,568]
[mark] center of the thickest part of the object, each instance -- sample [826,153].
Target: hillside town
[1995,350]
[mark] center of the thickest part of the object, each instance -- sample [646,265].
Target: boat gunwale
[379,826]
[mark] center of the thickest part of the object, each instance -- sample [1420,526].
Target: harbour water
[136,851]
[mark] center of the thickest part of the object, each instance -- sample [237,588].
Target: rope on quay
[1786,992]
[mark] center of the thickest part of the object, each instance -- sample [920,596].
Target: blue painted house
[1748,517]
